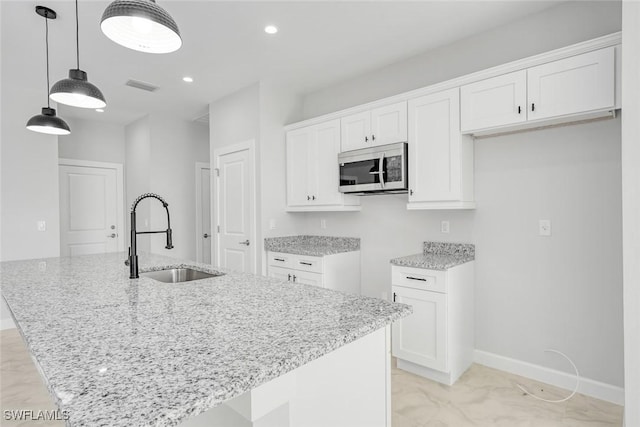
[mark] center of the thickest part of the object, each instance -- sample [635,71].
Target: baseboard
[7,324]
[589,387]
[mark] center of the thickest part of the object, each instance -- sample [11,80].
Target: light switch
[544,227]
[42,225]
[444,226]
[272,224]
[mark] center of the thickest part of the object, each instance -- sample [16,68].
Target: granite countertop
[312,245]
[438,256]
[121,352]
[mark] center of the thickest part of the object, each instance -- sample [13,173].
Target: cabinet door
[421,337]
[323,165]
[573,85]
[307,278]
[435,147]
[389,124]
[494,102]
[280,273]
[299,144]
[355,131]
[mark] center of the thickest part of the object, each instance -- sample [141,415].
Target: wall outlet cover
[444,226]
[42,225]
[323,223]
[544,227]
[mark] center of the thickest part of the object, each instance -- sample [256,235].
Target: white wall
[161,153]
[631,207]
[563,292]
[93,140]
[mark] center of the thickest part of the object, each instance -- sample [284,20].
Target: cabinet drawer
[417,278]
[312,264]
[279,259]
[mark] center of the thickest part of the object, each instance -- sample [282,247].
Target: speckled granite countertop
[312,245]
[119,352]
[438,256]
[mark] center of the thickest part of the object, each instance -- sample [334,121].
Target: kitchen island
[237,349]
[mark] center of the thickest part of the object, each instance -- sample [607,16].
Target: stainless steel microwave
[374,170]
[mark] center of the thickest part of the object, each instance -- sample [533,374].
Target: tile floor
[482,397]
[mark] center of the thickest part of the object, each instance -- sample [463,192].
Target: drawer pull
[416,278]
[305,263]
[289,277]
[278,259]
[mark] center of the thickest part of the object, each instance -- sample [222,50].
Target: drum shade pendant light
[141,25]
[76,91]
[47,122]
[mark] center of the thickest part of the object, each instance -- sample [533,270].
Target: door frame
[120,221]
[215,205]
[198,171]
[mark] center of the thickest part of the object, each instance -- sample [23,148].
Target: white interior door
[90,208]
[235,208]
[203,213]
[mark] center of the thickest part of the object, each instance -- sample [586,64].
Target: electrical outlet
[323,223]
[272,224]
[444,226]
[42,225]
[544,227]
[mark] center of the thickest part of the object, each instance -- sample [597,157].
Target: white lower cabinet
[436,341]
[340,271]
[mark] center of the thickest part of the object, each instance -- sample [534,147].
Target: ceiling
[225,47]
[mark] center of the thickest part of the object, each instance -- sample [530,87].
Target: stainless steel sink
[178,275]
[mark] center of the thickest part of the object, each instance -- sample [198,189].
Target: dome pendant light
[76,91]
[48,122]
[141,25]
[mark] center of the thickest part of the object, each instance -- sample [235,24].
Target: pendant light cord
[46,38]
[77,38]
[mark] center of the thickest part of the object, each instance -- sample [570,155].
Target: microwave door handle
[381,170]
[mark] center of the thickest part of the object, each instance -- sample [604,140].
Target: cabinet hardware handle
[278,259]
[366,139]
[416,278]
[533,107]
[308,197]
[305,263]
[246,243]
[411,192]
[294,277]
[112,235]
[205,235]
[373,137]
[289,278]
[519,110]
[313,197]
[394,297]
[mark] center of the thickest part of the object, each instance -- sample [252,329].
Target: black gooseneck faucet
[133,249]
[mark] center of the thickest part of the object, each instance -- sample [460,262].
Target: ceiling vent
[142,85]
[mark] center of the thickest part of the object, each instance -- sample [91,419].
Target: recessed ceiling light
[270,29]
[99,110]
[188,79]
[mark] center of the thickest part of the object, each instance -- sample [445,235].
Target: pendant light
[47,122]
[141,25]
[76,91]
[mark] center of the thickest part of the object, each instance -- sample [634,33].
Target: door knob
[246,243]
[112,235]
[206,235]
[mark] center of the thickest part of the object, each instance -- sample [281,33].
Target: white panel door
[234,202]
[389,124]
[88,210]
[299,144]
[434,147]
[573,85]
[205,238]
[421,336]
[494,102]
[280,273]
[323,165]
[356,131]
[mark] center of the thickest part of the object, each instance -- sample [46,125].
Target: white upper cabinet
[440,157]
[494,102]
[383,125]
[574,88]
[573,85]
[312,169]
